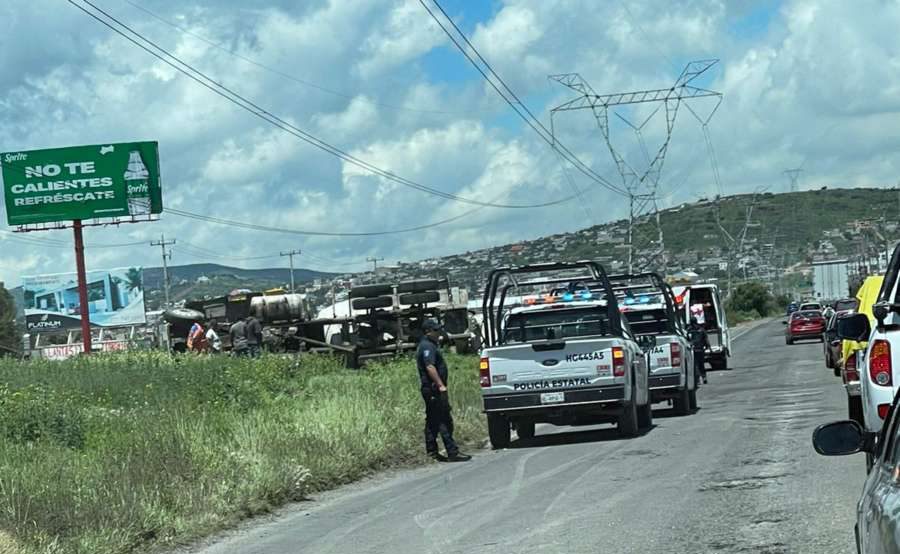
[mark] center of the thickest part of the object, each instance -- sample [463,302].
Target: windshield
[555,324]
[848,304]
[807,314]
[648,322]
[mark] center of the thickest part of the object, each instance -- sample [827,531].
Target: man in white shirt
[212,338]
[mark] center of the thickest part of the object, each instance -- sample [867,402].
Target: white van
[703,302]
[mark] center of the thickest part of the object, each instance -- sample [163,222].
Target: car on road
[849,360]
[846,305]
[877,516]
[810,306]
[869,389]
[703,302]
[791,308]
[648,305]
[565,359]
[831,343]
[804,324]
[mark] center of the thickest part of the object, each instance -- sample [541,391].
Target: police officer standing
[433,376]
[699,344]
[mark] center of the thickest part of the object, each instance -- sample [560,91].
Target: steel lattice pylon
[642,186]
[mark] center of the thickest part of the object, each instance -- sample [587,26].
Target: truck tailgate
[548,366]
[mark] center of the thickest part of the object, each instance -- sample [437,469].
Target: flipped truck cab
[566,357]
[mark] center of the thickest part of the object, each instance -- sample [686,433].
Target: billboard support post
[82,287]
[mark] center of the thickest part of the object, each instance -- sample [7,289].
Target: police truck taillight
[484,371]
[618,361]
[676,354]
[880,363]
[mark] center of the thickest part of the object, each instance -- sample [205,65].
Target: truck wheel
[628,420]
[693,400]
[373,303]
[719,363]
[419,298]
[683,402]
[498,431]
[371,291]
[855,409]
[645,416]
[421,285]
[525,429]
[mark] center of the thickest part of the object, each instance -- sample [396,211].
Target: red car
[805,324]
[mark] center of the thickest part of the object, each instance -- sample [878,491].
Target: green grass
[139,451]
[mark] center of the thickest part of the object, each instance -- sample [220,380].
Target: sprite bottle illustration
[137,185]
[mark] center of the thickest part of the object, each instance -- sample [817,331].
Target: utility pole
[374,263]
[166,255]
[290,256]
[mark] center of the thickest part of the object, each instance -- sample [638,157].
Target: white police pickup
[563,363]
[648,304]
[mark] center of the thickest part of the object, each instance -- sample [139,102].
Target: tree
[752,297]
[10,340]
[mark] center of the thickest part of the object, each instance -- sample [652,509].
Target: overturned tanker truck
[373,321]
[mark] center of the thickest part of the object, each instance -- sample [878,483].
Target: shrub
[751,298]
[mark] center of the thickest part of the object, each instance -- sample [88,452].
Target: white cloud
[813,83]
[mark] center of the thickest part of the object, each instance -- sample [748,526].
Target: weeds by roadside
[121,453]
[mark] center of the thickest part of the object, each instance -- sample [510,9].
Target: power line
[276,71]
[510,97]
[235,98]
[256,227]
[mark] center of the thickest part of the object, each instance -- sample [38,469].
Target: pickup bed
[564,361]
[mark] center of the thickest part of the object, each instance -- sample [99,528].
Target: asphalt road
[740,475]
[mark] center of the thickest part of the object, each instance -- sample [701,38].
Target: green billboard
[81,182]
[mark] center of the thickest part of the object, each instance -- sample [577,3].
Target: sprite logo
[137,187]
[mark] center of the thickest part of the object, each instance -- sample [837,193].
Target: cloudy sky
[811,84]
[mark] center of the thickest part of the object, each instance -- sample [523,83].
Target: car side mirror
[855,327]
[881,311]
[784,322]
[646,342]
[840,438]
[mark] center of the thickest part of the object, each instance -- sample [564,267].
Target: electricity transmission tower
[793,176]
[641,185]
[735,245]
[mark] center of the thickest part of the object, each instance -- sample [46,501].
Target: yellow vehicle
[867,295]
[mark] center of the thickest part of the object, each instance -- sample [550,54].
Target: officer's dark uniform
[699,343]
[438,420]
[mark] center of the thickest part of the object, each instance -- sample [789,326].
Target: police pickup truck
[648,304]
[564,355]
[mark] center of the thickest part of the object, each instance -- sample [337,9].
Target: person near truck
[212,337]
[699,344]
[238,335]
[433,375]
[196,339]
[254,336]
